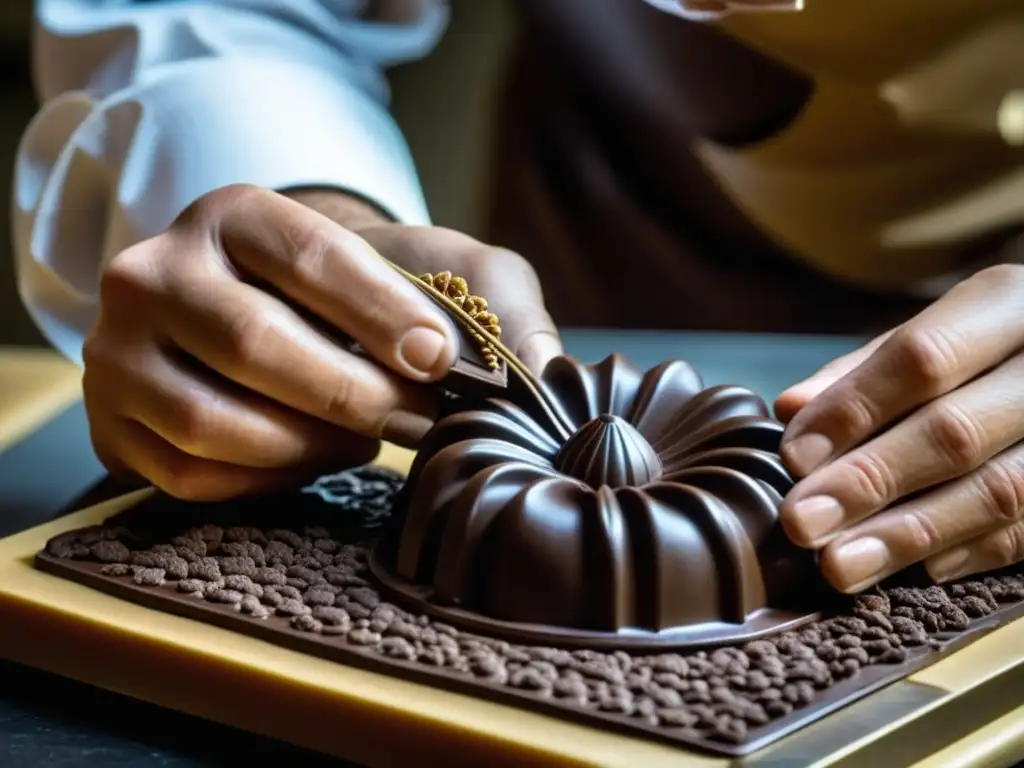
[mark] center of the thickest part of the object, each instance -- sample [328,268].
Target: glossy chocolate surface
[655,524]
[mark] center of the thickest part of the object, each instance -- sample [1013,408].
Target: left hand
[910,448]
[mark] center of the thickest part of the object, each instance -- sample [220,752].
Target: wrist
[349,210]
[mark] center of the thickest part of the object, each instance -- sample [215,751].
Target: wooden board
[376,720]
[35,385]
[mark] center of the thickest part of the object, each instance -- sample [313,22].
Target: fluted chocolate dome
[654,524]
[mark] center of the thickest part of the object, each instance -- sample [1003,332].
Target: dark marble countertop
[53,722]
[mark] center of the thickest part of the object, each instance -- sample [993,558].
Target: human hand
[910,448]
[212,370]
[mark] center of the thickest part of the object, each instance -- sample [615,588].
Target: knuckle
[310,247]
[874,480]
[340,406]
[129,278]
[931,354]
[1002,488]
[854,416]
[94,354]
[245,336]
[104,371]
[351,407]
[209,207]
[957,436]
[1004,548]
[177,477]
[191,425]
[92,387]
[925,537]
[379,306]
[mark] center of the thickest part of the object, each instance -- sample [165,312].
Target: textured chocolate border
[277,629]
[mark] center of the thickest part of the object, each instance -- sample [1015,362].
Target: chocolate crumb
[306,623]
[291,607]
[363,637]
[268,576]
[243,584]
[244,566]
[207,569]
[148,577]
[110,552]
[210,587]
[289,592]
[191,586]
[228,596]
[272,597]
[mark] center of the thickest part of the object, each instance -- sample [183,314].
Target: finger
[944,440]
[987,500]
[988,552]
[209,417]
[796,397]
[339,276]
[195,479]
[261,343]
[506,280]
[514,294]
[972,328]
[538,350]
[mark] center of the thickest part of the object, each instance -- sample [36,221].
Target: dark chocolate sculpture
[655,524]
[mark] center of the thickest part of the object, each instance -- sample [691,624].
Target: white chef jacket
[148,105]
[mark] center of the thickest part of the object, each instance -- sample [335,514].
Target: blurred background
[445,105]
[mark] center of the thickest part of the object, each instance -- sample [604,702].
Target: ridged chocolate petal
[711,407]
[738,432]
[500,421]
[462,546]
[585,392]
[736,571]
[438,483]
[761,465]
[749,501]
[671,562]
[664,399]
[533,573]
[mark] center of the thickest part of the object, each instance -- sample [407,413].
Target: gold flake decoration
[456,289]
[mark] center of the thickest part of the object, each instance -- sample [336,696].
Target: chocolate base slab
[761,624]
[729,701]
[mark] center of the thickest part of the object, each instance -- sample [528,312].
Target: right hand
[211,371]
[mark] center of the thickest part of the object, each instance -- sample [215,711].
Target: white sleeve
[149,105]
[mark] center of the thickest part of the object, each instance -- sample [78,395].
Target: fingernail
[807,452]
[818,516]
[948,565]
[426,352]
[862,562]
[405,429]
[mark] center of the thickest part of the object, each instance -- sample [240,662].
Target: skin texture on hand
[910,449]
[214,368]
